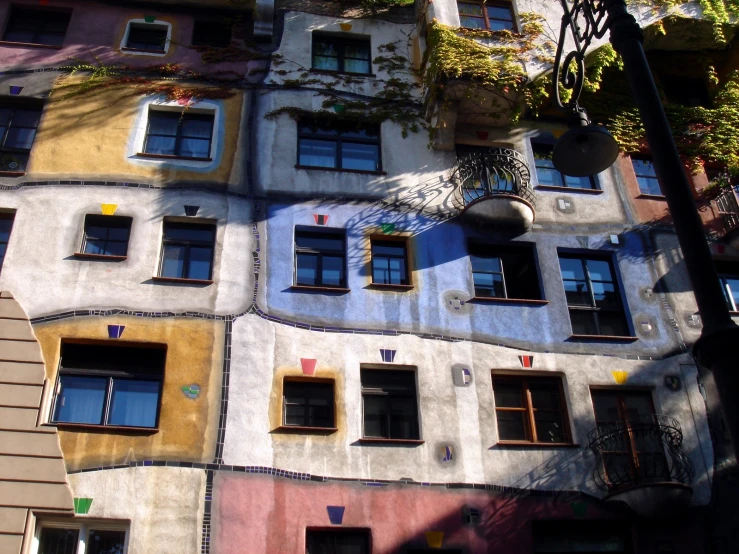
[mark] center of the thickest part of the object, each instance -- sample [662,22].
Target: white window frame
[157,23]
[138,138]
[84,526]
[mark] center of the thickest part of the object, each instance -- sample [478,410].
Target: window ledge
[651,196]
[143,51]
[384,286]
[604,338]
[391,442]
[101,257]
[495,300]
[733,314]
[360,171]
[160,279]
[301,429]
[12,173]
[30,45]
[170,157]
[530,444]
[568,189]
[331,72]
[104,428]
[309,288]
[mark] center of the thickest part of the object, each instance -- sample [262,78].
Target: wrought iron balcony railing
[489,173]
[639,453]
[728,208]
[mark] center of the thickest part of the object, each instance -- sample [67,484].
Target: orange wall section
[187,427]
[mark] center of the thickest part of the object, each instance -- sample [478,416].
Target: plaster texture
[187,427]
[263,353]
[163,504]
[47,278]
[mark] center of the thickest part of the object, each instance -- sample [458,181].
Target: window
[6,224]
[89,537]
[348,145]
[548,176]
[18,123]
[632,452]
[592,295]
[147,37]
[320,259]
[389,403]
[491,15]
[109,385]
[216,34]
[530,409]
[34,26]
[337,541]
[389,262]
[646,176]
[331,53]
[728,274]
[106,235]
[308,404]
[187,252]
[181,135]
[504,272]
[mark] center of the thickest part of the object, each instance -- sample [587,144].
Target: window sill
[302,430]
[733,314]
[160,279]
[568,189]
[309,288]
[651,196]
[360,171]
[104,428]
[331,72]
[30,45]
[530,444]
[603,338]
[12,173]
[170,157]
[496,300]
[383,286]
[101,257]
[390,442]
[143,51]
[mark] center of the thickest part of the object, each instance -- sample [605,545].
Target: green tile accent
[339,108]
[82,505]
[580,509]
[150,18]
[387,228]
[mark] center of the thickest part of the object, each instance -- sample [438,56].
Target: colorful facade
[277,280]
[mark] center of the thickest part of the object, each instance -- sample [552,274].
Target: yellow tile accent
[434,538]
[346,27]
[620,376]
[108,209]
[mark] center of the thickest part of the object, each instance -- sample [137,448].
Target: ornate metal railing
[728,208]
[491,172]
[639,453]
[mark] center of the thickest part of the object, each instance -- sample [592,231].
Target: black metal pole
[716,347]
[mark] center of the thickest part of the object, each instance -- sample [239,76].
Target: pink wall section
[264,514]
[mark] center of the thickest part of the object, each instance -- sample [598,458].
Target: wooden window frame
[330,232]
[181,117]
[188,244]
[541,144]
[309,381]
[529,409]
[486,18]
[15,8]
[118,222]
[397,240]
[368,391]
[339,140]
[341,43]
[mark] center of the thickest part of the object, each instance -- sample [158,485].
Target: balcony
[492,187]
[727,207]
[642,465]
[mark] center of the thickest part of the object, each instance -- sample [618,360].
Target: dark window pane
[332,271]
[295,415]
[511,425]
[612,324]
[200,263]
[485,263]
[317,153]
[337,542]
[549,427]
[20,137]
[497,12]
[357,66]
[134,403]
[58,541]
[196,126]
[37,26]
[548,177]
[396,249]
[160,145]
[81,399]
[599,270]
[583,323]
[173,261]
[26,118]
[163,123]
[194,233]
[307,269]
[326,63]
[389,381]
[571,269]
[488,284]
[375,416]
[403,418]
[319,242]
[147,37]
[360,156]
[105,542]
[578,182]
[194,148]
[605,295]
[508,394]
[544,394]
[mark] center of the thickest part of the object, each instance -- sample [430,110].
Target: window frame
[110,375]
[654,178]
[100,221]
[341,42]
[5,216]
[529,409]
[337,138]
[181,117]
[341,530]
[15,105]
[394,241]
[583,257]
[84,526]
[538,142]
[486,18]
[304,427]
[475,248]
[15,8]
[125,49]
[188,244]
[334,232]
[381,392]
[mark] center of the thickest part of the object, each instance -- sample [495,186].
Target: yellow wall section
[187,427]
[88,136]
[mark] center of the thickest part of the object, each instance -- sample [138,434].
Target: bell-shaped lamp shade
[584,151]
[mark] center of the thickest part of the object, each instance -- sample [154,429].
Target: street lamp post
[586,20]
